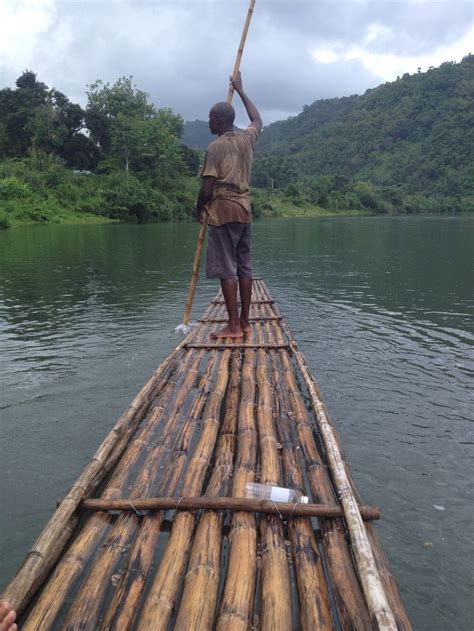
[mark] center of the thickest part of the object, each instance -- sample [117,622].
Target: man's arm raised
[255,119]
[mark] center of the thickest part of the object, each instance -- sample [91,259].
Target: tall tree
[131,133]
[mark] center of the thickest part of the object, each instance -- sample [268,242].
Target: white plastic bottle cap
[304,499]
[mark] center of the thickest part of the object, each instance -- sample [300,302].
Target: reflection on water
[381,308]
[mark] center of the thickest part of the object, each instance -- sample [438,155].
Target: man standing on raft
[224,195]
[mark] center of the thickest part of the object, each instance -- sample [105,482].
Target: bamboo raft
[155,535]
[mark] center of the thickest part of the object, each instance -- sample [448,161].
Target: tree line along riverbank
[402,148]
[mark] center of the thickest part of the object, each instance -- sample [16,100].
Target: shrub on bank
[41,189]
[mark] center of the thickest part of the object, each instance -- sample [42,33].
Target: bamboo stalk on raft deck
[315,610]
[121,611]
[351,604]
[236,603]
[68,569]
[389,582]
[347,588]
[162,596]
[198,602]
[372,586]
[85,610]
[56,533]
[276,612]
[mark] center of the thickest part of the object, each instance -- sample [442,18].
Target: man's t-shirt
[229,159]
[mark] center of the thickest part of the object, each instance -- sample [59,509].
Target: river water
[381,308]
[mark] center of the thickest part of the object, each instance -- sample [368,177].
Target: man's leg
[245,288]
[244,273]
[229,291]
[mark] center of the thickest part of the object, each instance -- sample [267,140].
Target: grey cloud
[182,52]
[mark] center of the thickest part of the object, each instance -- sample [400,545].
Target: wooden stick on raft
[351,604]
[237,600]
[202,231]
[123,607]
[69,568]
[203,574]
[85,611]
[276,603]
[313,592]
[224,503]
[165,588]
[372,586]
[55,535]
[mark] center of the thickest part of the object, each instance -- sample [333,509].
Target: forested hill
[414,136]
[196,134]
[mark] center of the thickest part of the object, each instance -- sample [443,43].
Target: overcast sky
[182,51]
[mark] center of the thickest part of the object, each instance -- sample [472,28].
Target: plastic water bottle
[274,493]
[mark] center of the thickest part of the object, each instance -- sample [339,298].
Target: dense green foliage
[118,158]
[405,146]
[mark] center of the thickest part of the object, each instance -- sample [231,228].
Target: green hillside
[196,134]
[404,146]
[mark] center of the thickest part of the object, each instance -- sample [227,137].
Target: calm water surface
[381,307]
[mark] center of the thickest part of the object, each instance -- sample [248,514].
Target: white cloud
[377,32]
[21,26]
[325,56]
[388,65]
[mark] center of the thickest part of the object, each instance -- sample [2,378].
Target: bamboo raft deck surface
[214,416]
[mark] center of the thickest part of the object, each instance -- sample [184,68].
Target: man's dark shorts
[228,251]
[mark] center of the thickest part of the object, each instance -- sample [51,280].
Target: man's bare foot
[7,618]
[245,326]
[228,331]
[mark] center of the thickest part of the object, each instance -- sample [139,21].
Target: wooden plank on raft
[256,319]
[224,503]
[57,532]
[219,301]
[237,346]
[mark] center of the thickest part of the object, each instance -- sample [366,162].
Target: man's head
[221,118]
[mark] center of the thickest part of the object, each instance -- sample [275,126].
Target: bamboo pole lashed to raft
[110,560]
[201,585]
[223,504]
[56,533]
[351,604]
[368,572]
[164,590]
[236,609]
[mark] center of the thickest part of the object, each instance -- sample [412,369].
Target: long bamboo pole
[351,604]
[276,613]
[201,585]
[85,610]
[164,590]
[52,540]
[368,573]
[122,609]
[388,580]
[236,605]
[313,593]
[203,228]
